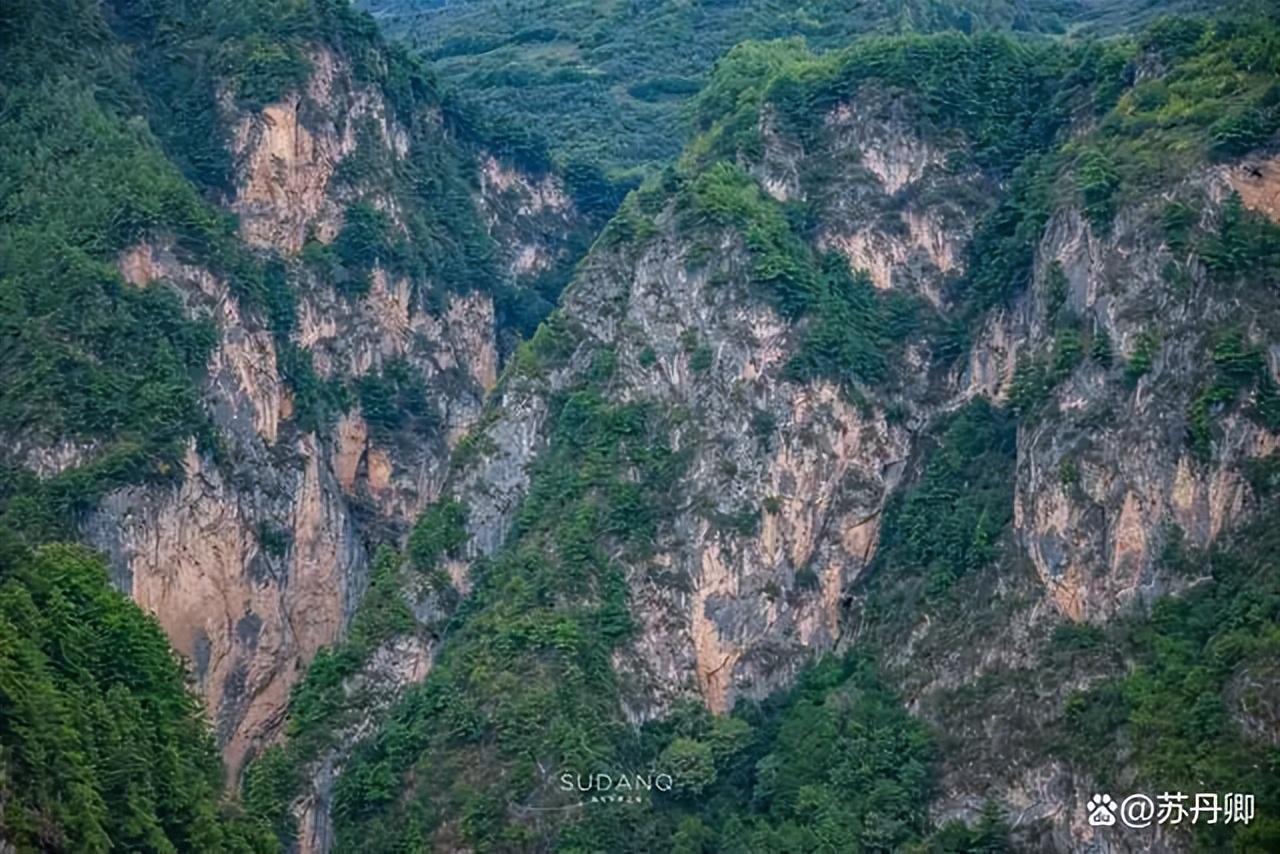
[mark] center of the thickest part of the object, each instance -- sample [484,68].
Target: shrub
[440,530]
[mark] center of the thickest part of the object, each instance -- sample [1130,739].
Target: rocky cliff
[940,370]
[256,557]
[1105,338]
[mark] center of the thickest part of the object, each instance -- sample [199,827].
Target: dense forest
[618,77]
[103,746]
[113,129]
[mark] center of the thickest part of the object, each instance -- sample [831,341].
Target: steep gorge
[914,379]
[331,412]
[254,564]
[749,541]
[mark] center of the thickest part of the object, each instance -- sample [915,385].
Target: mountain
[254,286]
[104,747]
[607,83]
[894,469]
[951,358]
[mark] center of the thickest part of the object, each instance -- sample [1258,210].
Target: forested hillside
[102,747]
[892,468]
[606,83]
[801,332]
[113,135]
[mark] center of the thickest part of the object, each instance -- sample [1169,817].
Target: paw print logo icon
[1102,810]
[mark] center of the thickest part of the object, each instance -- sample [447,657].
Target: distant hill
[604,80]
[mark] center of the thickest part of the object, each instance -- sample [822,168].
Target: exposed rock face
[49,460]
[251,564]
[541,207]
[724,611]
[391,322]
[900,208]
[1095,542]
[895,208]
[393,666]
[256,559]
[287,154]
[249,621]
[1257,180]
[257,556]
[787,481]
[454,354]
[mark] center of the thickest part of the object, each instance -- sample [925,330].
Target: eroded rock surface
[256,556]
[781,510]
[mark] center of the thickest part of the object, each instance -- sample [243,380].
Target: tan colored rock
[992,360]
[190,555]
[248,358]
[286,176]
[1257,180]
[351,438]
[537,196]
[871,253]
[250,622]
[508,196]
[380,469]
[884,135]
[49,460]
[897,215]
[469,323]
[934,239]
[242,370]
[778,172]
[137,265]
[285,165]
[726,612]
[714,656]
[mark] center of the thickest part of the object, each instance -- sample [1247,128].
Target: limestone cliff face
[787,480]
[781,513]
[901,209]
[1094,541]
[287,154]
[257,556]
[248,621]
[524,210]
[453,351]
[251,562]
[396,664]
[896,206]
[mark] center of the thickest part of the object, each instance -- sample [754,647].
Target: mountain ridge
[905,440]
[698,326]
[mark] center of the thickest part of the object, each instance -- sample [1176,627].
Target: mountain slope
[937,350]
[894,471]
[254,284]
[101,745]
[613,77]
[607,83]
